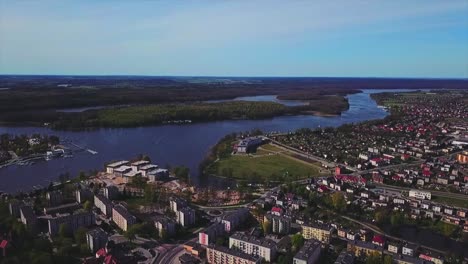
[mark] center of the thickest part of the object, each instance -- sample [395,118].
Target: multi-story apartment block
[96,239]
[186,216]
[363,248]
[309,253]
[122,218]
[176,204]
[321,232]
[165,226]
[209,235]
[251,245]
[233,220]
[104,204]
[72,221]
[216,254]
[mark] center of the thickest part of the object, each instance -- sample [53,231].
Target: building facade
[317,231]
[122,218]
[216,255]
[257,247]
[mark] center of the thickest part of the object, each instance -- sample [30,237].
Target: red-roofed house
[3,246]
[376,161]
[323,188]
[378,240]
[277,211]
[110,260]
[377,178]
[101,253]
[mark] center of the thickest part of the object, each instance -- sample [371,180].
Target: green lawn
[272,167]
[271,147]
[450,201]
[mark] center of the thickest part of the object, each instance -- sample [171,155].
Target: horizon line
[232,76]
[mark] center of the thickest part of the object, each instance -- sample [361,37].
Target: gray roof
[123,211]
[345,257]
[103,199]
[308,249]
[97,232]
[263,242]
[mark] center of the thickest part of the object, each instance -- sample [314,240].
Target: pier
[83,148]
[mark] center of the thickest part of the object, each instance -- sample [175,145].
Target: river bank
[167,144]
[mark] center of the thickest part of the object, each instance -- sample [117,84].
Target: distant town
[384,191]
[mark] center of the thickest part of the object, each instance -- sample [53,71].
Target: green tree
[88,205]
[80,235]
[146,157]
[66,247]
[163,234]
[150,194]
[220,241]
[380,216]
[297,241]
[338,201]
[63,231]
[374,258]
[388,259]
[266,227]
[397,219]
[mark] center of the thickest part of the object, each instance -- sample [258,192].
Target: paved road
[168,257]
[171,255]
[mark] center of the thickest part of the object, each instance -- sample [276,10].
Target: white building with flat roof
[110,167]
[418,194]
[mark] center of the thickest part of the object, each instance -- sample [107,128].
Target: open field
[261,168]
[450,201]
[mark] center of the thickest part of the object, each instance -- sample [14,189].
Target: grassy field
[262,168]
[450,201]
[271,147]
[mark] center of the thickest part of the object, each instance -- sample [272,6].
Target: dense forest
[169,113]
[33,100]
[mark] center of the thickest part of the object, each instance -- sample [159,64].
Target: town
[385,191]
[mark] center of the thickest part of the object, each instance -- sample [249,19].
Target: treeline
[328,105]
[222,149]
[316,94]
[166,113]
[54,92]
[155,114]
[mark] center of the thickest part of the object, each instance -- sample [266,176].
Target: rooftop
[345,257]
[149,167]
[122,168]
[117,164]
[308,249]
[254,240]
[97,232]
[123,211]
[140,162]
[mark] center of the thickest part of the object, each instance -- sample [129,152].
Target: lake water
[169,144]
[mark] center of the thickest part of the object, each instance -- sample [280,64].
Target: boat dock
[83,148]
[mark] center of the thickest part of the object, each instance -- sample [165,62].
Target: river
[168,144]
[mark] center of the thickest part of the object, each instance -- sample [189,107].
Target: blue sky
[418,38]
